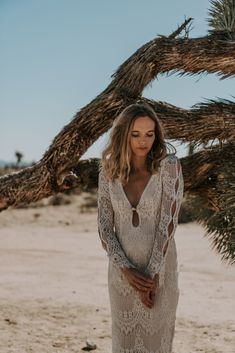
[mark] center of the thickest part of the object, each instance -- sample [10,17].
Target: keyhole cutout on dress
[135,218]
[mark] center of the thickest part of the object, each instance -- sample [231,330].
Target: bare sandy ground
[54,295]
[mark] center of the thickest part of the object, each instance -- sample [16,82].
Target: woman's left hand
[147,298]
[156,282]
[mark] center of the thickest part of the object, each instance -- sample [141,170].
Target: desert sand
[54,294]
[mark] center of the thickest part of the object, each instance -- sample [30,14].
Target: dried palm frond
[204,122]
[217,213]
[222,18]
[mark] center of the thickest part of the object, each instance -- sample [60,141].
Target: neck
[138,164]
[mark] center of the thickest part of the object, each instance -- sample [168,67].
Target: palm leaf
[222,18]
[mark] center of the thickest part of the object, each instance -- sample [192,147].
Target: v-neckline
[142,195]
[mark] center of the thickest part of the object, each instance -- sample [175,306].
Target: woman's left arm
[172,195]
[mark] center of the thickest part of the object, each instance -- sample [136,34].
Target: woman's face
[142,136]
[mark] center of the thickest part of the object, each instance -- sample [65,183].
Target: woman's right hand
[137,280]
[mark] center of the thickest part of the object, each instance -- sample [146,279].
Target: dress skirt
[136,328]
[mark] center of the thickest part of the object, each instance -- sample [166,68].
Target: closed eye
[148,135]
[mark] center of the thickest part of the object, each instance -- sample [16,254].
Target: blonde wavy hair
[116,157]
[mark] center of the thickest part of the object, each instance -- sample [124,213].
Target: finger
[143,289]
[150,302]
[149,305]
[153,294]
[140,283]
[143,286]
[143,283]
[144,301]
[147,299]
[139,287]
[143,278]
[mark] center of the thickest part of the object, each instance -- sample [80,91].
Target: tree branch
[202,123]
[180,28]
[53,172]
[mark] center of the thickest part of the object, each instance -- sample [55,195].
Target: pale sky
[58,55]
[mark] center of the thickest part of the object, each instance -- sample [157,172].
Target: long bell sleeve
[172,195]
[106,225]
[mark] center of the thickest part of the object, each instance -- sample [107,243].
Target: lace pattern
[136,328]
[172,194]
[106,223]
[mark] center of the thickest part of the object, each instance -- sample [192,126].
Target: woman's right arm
[110,242]
[106,224]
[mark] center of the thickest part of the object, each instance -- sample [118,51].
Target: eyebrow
[139,131]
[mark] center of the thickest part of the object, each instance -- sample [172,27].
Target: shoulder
[103,178]
[101,172]
[170,160]
[171,166]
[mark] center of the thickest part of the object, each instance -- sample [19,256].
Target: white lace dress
[136,328]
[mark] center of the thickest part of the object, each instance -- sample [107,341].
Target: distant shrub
[89,203]
[59,199]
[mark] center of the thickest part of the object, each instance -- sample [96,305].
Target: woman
[139,195]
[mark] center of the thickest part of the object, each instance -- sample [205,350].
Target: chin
[142,153]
